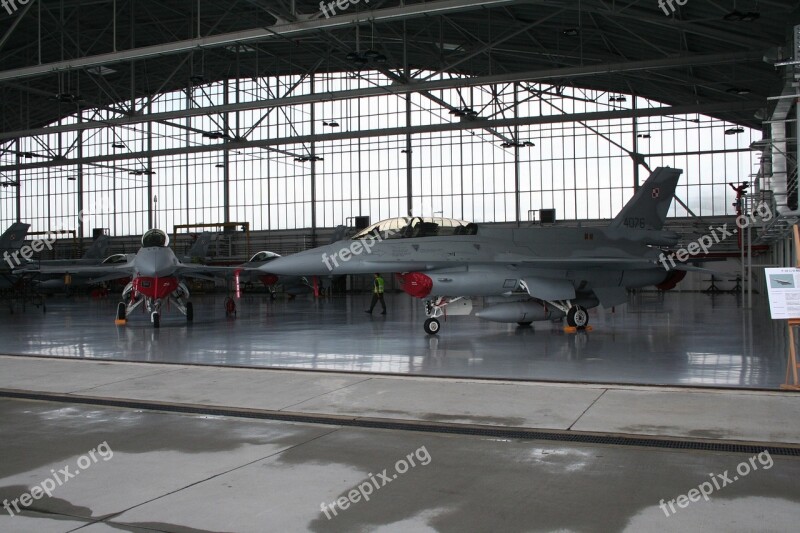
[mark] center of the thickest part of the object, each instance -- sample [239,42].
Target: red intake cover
[269,279]
[416,284]
[155,287]
[672,279]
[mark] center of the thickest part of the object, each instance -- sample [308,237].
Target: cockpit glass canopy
[115,259]
[155,238]
[411,227]
[264,256]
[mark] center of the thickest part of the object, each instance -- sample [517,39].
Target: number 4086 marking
[634,222]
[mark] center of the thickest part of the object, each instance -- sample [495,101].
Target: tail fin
[648,208]
[200,247]
[14,236]
[339,234]
[98,249]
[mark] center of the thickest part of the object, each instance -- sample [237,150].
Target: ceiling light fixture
[738,16]
[515,144]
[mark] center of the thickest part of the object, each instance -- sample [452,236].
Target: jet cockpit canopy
[155,238]
[116,259]
[263,257]
[411,227]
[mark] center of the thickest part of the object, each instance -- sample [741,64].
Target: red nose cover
[416,284]
[269,279]
[155,287]
[672,279]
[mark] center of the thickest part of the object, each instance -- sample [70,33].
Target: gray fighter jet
[526,274]
[10,243]
[251,272]
[156,275]
[96,254]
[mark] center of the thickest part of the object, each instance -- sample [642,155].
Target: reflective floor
[672,339]
[167,472]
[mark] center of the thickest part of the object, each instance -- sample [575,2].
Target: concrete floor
[187,473]
[729,415]
[672,339]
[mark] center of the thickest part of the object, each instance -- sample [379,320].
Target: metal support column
[636,181]
[80,185]
[226,183]
[313,166]
[151,200]
[517,215]
[409,159]
[19,185]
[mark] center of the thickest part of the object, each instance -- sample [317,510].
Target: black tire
[577,317]
[121,308]
[156,320]
[189,312]
[432,326]
[524,324]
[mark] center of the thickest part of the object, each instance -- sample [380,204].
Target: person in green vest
[378,285]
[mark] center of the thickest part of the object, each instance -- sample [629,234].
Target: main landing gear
[230,307]
[577,315]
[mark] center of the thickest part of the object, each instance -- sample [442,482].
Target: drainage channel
[406,425]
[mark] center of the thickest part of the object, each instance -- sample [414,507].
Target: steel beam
[454,83]
[412,130]
[280,30]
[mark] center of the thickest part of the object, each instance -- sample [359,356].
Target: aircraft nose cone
[303,263]
[155,262]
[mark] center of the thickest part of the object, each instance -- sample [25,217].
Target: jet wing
[606,263]
[310,264]
[106,272]
[208,273]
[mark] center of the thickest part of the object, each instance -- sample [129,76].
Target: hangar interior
[281,126]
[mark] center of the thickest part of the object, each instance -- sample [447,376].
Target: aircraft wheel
[524,324]
[432,326]
[577,317]
[121,311]
[156,318]
[189,312]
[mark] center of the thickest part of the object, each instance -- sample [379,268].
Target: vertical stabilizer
[648,208]
[14,236]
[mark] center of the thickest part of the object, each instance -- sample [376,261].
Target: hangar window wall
[583,170]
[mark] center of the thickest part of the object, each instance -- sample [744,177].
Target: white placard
[783,285]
